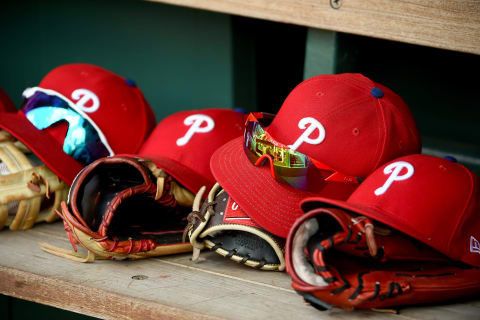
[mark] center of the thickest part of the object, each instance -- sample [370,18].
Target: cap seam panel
[461,217]
[381,144]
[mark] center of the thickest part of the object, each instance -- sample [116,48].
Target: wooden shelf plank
[173,287]
[453,25]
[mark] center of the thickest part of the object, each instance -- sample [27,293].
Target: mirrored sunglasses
[84,141]
[287,166]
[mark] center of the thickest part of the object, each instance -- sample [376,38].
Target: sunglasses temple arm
[262,159]
[339,177]
[335,176]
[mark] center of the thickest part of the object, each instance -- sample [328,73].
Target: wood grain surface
[168,287]
[446,24]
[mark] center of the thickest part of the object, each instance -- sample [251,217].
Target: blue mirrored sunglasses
[83,141]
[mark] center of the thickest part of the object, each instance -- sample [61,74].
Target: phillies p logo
[310,125]
[196,123]
[86,97]
[394,170]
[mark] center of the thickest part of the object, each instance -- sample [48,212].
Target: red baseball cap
[6,104]
[346,121]
[434,200]
[112,104]
[183,143]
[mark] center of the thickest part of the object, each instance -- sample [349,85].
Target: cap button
[130,83]
[240,110]
[450,158]
[376,92]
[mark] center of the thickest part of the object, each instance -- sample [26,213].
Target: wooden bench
[168,287]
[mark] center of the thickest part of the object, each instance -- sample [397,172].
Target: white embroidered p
[305,137]
[84,96]
[195,121]
[394,170]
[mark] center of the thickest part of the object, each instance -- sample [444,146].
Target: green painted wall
[180,58]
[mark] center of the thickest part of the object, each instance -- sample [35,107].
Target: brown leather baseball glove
[336,258]
[124,207]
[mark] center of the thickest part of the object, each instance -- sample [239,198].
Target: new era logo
[474,245]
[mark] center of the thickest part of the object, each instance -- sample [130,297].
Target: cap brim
[42,145]
[272,205]
[376,214]
[189,178]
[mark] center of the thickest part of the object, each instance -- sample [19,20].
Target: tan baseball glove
[124,207]
[29,191]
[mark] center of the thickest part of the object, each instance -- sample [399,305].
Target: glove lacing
[36,182]
[365,226]
[198,213]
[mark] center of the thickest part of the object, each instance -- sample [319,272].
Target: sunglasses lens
[81,142]
[253,132]
[290,167]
